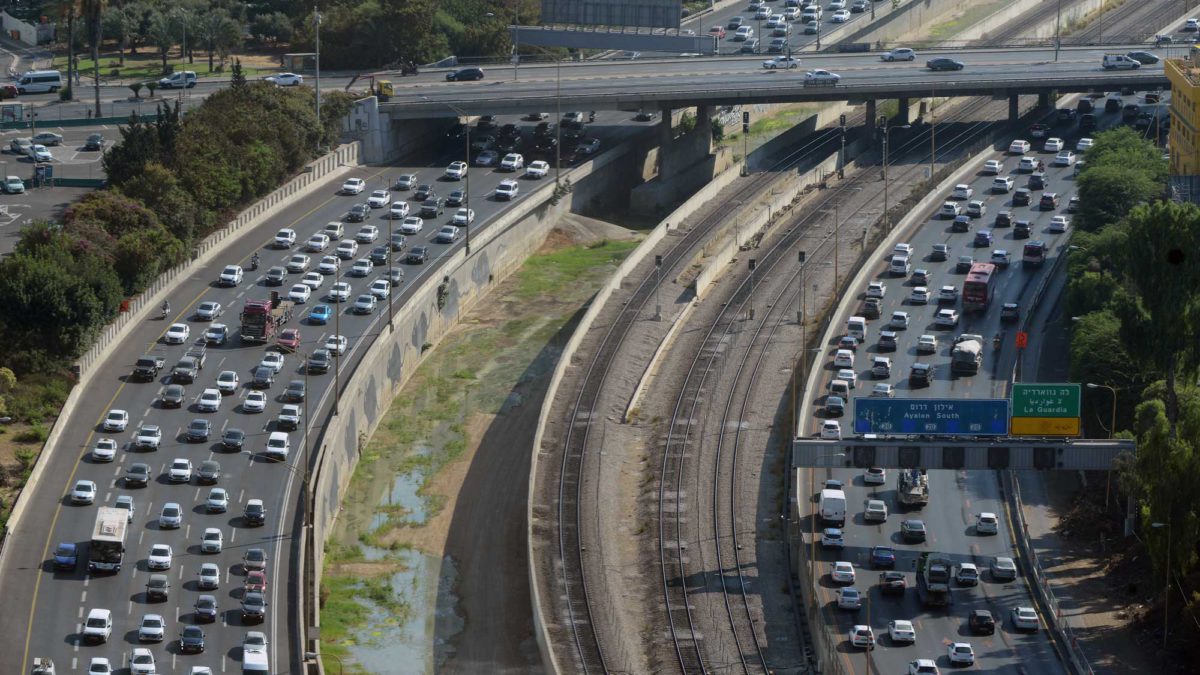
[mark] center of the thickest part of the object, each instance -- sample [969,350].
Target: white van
[1119,62]
[278,446]
[856,327]
[833,507]
[900,265]
[40,82]
[180,80]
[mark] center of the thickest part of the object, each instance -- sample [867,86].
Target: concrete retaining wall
[912,20]
[141,306]
[998,19]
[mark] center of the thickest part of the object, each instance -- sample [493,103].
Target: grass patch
[948,29]
[547,274]
[148,66]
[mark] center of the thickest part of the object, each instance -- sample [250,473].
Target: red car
[289,339]
[718,31]
[255,582]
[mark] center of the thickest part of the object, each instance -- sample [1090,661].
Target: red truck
[263,319]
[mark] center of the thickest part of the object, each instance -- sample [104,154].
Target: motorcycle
[254,263]
[996,343]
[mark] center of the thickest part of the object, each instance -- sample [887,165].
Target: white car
[902,631]
[285,79]
[456,171]
[210,401]
[329,264]
[960,653]
[379,199]
[537,169]
[1024,618]
[142,662]
[336,344]
[950,210]
[340,292]
[230,276]
[842,573]
[313,280]
[946,318]
[464,217]
[1084,144]
[1019,147]
[899,320]
[876,511]
[823,76]
[844,358]
[380,288]
[831,430]
[976,208]
[361,268]
[993,167]
[967,574]
[212,541]
[487,158]
[317,243]
[849,598]
[1053,145]
[149,436]
[447,235]
[84,492]
[1000,257]
[962,191]
[39,153]
[177,334]
[1064,158]
[398,210]
[948,294]
[366,234]
[876,289]
[1003,568]
[116,420]
[353,186]
[512,161]
[784,62]
[841,16]
[1027,164]
[848,376]
[285,238]
[919,296]
[298,263]
[346,250]
[208,310]
[904,249]
[365,304]
[160,557]
[300,293]
[227,381]
[255,402]
[412,225]
[218,501]
[210,576]
[13,185]
[927,344]
[99,666]
[1002,184]
[105,450]
[152,628]
[883,390]
[1059,224]
[987,523]
[272,360]
[922,667]
[180,471]
[278,445]
[862,636]
[875,476]
[507,190]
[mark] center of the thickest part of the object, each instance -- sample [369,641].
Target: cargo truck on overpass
[933,580]
[966,357]
[263,319]
[107,547]
[912,488]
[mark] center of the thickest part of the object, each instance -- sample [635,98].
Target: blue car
[66,557]
[883,556]
[320,314]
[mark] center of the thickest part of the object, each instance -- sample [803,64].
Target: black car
[233,439]
[1003,219]
[198,431]
[1022,197]
[94,142]
[465,75]
[1066,115]
[210,469]
[485,122]
[433,207]
[510,131]
[1022,229]
[173,396]
[887,341]
[254,607]
[921,375]
[458,130]
[644,116]
[544,129]
[942,63]
[1010,311]
[379,255]
[961,224]
[545,144]
[423,192]
[1037,181]
[399,242]
[912,530]
[206,609]
[358,213]
[319,362]
[1085,106]
[264,377]
[940,252]
[1130,112]
[1112,105]
[455,198]
[1049,202]
[1087,123]
[255,513]
[191,640]
[508,143]
[137,474]
[276,276]
[417,255]
[294,392]
[981,622]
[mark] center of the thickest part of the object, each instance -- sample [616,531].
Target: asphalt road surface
[955,497]
[56,603]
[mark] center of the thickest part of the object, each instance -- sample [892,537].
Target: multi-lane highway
[955,498]
[47,606]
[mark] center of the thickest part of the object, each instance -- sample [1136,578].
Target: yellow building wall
[1185,116]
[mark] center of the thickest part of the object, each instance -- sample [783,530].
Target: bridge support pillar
[685,162]
[901,113]
[872,115]
[1014,111]
[1043,100]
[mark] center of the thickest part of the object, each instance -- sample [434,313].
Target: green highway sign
[1045,410]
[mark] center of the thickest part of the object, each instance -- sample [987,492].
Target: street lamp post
[887,222]
[1112,430]
[516,50]
[389,270]
[317,90]
[337,358]
[558,125]
[1167,585]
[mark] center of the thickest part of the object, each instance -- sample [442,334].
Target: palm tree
[92,10]
[70,10]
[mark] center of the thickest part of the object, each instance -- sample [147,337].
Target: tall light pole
[516,50]
[887,222]
[1167,586]
[558,125]
[317,32]
[1058,28]
[1112,430]
[932,135]
[337,358]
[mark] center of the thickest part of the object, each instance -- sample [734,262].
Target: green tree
[238,78]
[116,22]
[139,257]
[159,189]
[92,10]
[1108,192]
[1098,355]
[139,145]
[272,28]
[160,32]
[218,32]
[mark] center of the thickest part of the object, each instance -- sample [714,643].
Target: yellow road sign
[1045,426]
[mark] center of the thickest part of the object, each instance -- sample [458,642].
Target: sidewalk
[1095,605]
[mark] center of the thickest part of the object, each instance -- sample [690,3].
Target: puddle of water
[408,645]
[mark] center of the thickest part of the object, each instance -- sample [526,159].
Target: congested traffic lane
[56,603]
[956,498]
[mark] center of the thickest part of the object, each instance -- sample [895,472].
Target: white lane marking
[82,600]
